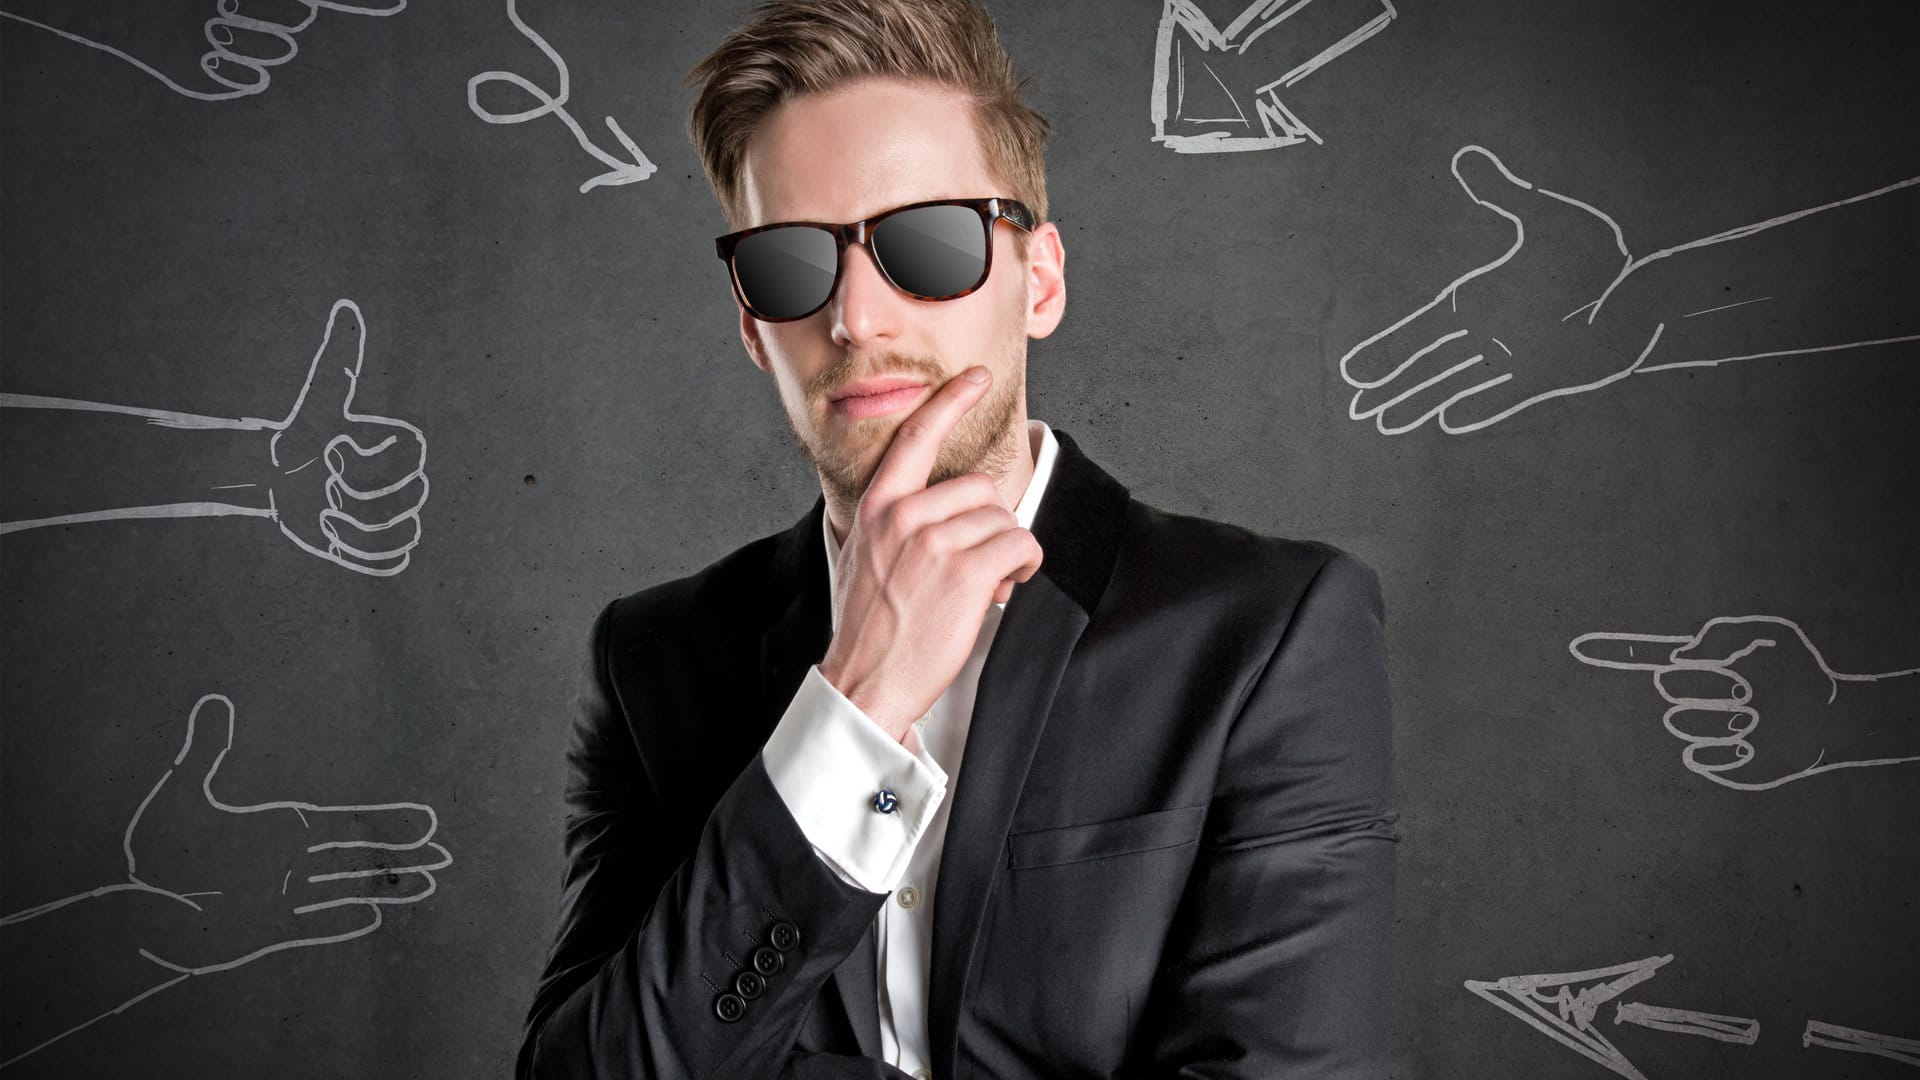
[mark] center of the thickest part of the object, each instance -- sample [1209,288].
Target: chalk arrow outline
[1279,124]
[1550,1004]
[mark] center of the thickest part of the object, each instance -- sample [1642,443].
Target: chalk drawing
[1195,112]
[1565,1006]
[1835,1037]
[311,508]
[1439,362]
[1715,708]
[618,171]
[243,47]
[237,871]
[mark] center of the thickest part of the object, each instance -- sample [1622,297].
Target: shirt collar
[1024,512]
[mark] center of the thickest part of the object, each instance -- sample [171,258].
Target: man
[1169,850]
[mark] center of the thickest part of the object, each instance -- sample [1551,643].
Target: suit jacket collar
[1079,527]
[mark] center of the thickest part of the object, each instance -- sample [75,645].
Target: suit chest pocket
[1151,831]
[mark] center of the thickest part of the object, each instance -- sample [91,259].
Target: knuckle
[931,540]
[920,543]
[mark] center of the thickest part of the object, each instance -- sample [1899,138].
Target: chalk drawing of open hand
[1757,705]
[347,487]
[207,59]
[1512,333]
[258,878]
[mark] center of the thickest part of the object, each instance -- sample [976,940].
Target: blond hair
[794,47]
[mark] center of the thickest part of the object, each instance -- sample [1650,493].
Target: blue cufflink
[886,801]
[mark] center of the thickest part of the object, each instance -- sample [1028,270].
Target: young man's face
[849,154]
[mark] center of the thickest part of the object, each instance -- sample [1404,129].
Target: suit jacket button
[729,1007]
[749,984]
[784,936]
[767,961]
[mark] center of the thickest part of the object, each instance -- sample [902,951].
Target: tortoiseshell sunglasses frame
[857,232]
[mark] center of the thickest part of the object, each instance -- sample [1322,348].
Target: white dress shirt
[827,759]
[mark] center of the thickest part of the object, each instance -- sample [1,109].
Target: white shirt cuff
[827,759]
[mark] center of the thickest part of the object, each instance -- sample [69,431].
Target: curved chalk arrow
[618,171]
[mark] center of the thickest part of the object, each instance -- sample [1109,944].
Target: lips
[877,397]
[872,387]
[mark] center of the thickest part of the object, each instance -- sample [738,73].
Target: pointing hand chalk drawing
[213,885]
[1757,705]
[1196,111]
[342,485]
[619,171]
[244,41]
[1535,323]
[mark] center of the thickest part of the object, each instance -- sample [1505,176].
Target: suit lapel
[1079,525]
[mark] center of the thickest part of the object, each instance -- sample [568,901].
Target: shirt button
[922,1073]
[908,896]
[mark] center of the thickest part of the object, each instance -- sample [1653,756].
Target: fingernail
[977,374]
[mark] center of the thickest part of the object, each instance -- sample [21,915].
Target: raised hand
[359,509]
[1719,681]
[919,568]
[1517,331]
[254,879]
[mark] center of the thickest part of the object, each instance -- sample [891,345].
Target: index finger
[908,460]
[1625,652]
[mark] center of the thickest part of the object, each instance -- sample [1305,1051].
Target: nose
[864,305]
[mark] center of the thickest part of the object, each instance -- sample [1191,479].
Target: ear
[750,337]
[1046,280]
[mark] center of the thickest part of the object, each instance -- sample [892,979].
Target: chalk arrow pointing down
[1195,111]
[1563,1007]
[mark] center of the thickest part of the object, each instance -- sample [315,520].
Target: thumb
[1726,638]
[1486,179]
[335,369]
[209,737]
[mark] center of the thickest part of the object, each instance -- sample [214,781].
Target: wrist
[870,699]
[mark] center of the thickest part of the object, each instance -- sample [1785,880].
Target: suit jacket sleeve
[1278,963]
[649,937]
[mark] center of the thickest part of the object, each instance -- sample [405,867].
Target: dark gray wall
[563,369]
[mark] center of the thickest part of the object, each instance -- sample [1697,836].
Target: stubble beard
[979,440]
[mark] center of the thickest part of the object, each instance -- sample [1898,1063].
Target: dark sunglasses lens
[786,272]
[933,251]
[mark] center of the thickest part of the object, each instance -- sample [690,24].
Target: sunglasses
[941,249]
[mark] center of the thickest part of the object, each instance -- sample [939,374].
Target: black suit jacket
[1169,851]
